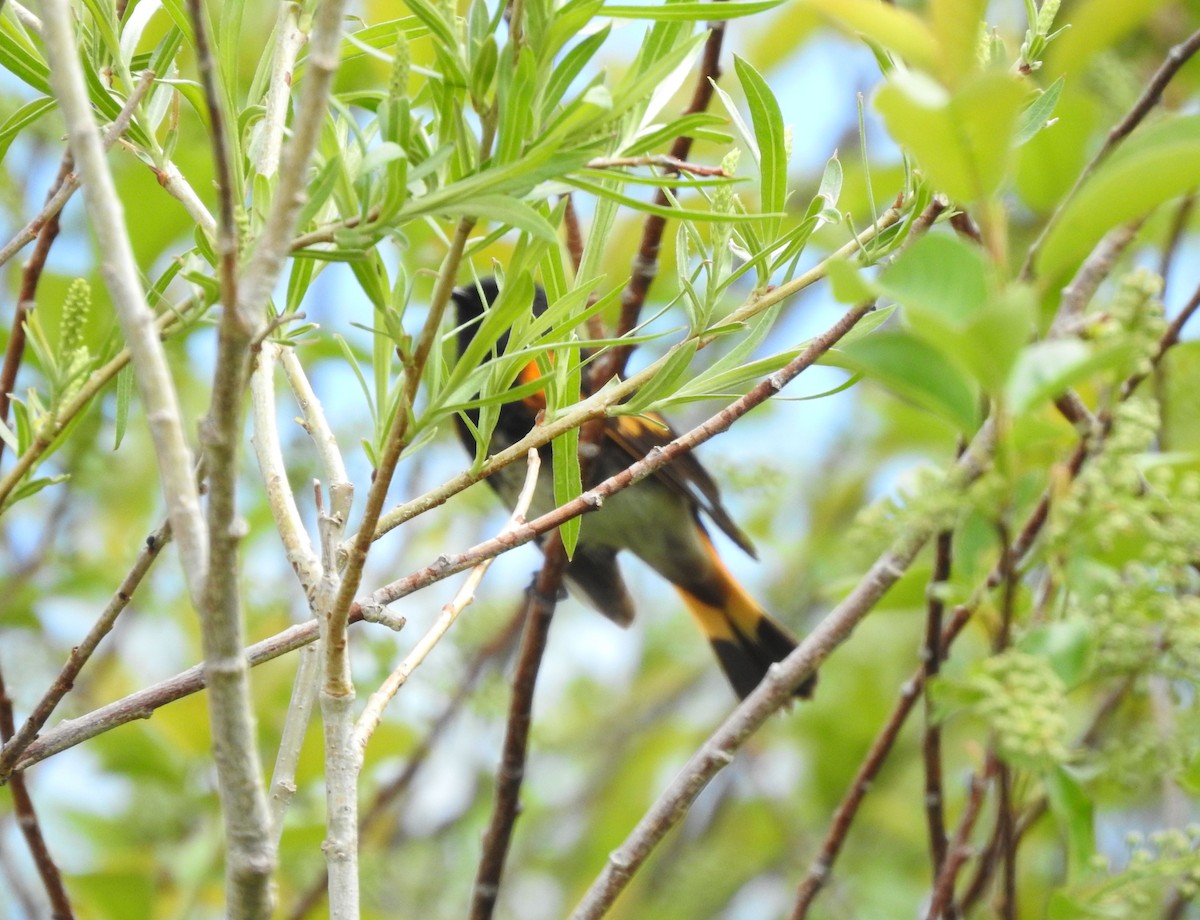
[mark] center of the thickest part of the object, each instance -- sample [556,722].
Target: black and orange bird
[658,520]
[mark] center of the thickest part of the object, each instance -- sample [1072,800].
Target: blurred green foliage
[1080,678]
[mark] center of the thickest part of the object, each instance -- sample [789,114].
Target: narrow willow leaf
[1072,808]
[569,21]
[511,211]
[569,68]
[663,384]
[124,398]
[22,118]
[769,136]
[348,354]
[20,61]
[686,12]
[1036,115]
[668,212]
[516,107]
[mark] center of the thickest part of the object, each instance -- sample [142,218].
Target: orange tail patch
[746,640]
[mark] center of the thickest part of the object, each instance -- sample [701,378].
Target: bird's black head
[471,300]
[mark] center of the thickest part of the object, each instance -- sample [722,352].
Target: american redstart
[658,520]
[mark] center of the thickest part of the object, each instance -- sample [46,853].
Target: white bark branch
[153,376]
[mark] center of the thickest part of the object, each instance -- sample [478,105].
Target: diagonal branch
[143,703]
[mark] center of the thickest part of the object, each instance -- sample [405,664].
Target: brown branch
[141,705]
[16,745]
[14,353]
[58,198]
[1006,838]
[543,599]
[542,602]
[847,810]
[935,817]
[1174,237]
[960,848]
[27,820]
[645,264]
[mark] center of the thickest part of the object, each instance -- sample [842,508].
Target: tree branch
[175,462]
[250,849]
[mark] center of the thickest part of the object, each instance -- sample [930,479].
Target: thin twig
[1179,224]
[14,353]
[960,849]
[16,745]
[847,810]
[931,747]
[268,139]
[280,498]
[373,711]
[341,489]
[62,194]
[27,820]
[663,161]
[291,739]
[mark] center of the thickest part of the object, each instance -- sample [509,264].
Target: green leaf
[510,211]
[569,68]
[957,25]
[891,27]
[1066,646]
[21,60]
[663,384]
[769,135]
[568,484]
[1072,809]
[686,12]
[22,118]
[517,91]
[124,398]
[1161,162]
[913,369]
[847,284]
[1044,370]
[962,142]
[939,275]
[945,288]
[1035,115]
[651,208]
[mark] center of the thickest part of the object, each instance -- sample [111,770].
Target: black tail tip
[746,664]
